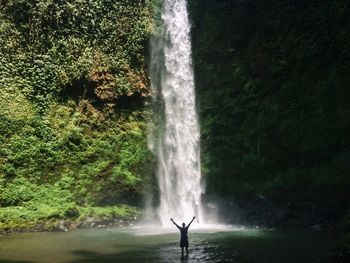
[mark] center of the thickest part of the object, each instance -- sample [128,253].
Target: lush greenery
[273,85]
[72,121]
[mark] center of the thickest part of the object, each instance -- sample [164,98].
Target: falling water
[177,148]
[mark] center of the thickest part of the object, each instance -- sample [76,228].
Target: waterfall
[177,143]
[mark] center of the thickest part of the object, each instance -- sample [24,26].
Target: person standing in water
[184,236]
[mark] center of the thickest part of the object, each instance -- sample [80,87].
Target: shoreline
[84,218]
[65,225]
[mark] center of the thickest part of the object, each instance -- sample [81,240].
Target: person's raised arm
[191,222]
[172,220]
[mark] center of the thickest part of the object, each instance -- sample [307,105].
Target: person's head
[183,224]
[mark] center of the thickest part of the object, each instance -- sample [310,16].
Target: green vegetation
[273,87]
[72,120]
[272,83]
[28,205]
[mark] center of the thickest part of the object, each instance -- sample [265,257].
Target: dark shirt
[184,231]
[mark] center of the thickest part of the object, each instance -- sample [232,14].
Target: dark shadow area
[270,80]
[143,255]
[78,89]
[81,89]
[130,102]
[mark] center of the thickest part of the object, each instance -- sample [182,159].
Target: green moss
[28,217]
[72,121]
[121,212]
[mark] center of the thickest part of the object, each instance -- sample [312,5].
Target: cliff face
[273,87]
[272,84]
[72,116]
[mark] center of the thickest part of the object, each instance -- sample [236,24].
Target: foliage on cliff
[273,85]
[72,88]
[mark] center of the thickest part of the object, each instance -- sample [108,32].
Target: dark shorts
[184,243]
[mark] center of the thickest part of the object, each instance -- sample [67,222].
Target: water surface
[140,245]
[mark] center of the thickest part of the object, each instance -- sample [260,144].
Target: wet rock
[61,226]
[73,226]
[83,225]
[39,228]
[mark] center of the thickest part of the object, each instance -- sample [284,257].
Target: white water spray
[177,148]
